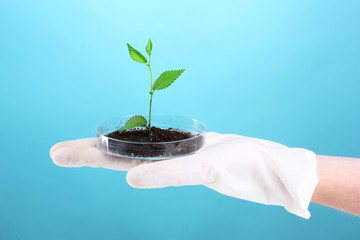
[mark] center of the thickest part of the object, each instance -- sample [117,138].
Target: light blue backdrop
[286,71]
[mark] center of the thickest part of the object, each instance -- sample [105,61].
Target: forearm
[339,183]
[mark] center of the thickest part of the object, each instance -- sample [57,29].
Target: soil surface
[156,146]
[158,135]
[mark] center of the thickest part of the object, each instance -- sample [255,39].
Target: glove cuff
[301,185]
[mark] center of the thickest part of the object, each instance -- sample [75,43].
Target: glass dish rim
[156,114]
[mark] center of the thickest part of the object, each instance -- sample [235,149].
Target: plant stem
[151,95]
[149,127]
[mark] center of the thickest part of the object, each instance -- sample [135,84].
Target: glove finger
[87,142]
[190,170]
[211,134]
[212,139]
[91,157]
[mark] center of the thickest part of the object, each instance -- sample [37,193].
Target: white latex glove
[247,168]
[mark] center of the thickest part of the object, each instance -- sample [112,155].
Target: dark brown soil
[158,135]
[155,146]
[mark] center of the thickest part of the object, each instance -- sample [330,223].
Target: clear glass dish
[152,150]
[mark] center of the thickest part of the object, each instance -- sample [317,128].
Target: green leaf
[149,47]
[136,55]
[166,79]
[135,121]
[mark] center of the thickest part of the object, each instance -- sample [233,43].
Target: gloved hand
[247,168]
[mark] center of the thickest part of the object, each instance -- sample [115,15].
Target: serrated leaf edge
[127,128]
[136,52]
[154,85]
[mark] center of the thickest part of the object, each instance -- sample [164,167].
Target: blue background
[286,71]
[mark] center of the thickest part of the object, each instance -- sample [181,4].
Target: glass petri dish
[152,150]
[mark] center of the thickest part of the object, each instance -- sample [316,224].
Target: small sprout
[162,82]
[149,47]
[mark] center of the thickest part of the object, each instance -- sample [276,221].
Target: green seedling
[163,81]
